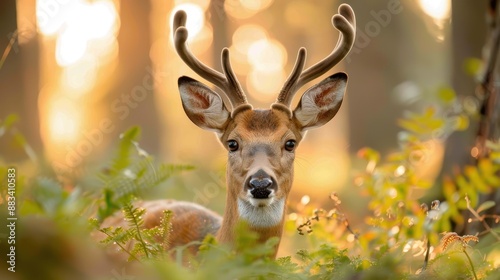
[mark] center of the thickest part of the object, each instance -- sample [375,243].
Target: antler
[227,82]
[345,22]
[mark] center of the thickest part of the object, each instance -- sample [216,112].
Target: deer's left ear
[203,106]
[320,103]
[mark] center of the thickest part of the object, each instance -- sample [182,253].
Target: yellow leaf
[449,188]
[472,66]
[447,95]
[461,122]
[473,174]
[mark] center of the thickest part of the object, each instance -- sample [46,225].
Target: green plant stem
[471,264]
[139,236]
[427,253]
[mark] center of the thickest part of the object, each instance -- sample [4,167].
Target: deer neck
[267,221]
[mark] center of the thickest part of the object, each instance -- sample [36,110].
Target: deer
[260,143]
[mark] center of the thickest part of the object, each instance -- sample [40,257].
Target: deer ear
[320,103]
[203,106]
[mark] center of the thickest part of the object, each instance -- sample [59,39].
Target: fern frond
[139,250]
[133,216]
[143,177]
[467,238]
[165,228]
[116,235]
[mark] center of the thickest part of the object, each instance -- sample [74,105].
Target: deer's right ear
[321,102]
[203,106]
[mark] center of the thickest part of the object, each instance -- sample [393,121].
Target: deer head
[261,143]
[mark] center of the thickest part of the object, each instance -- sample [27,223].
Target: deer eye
[290,145]
[232,145]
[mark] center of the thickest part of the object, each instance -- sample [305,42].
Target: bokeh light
[81,77]
[76,24]
[294,12]
[201,3]
[246,35]
[265,86]
[84,34]
[70,47]
[440,12]
[242,9]
[437,9]
[64,121]
[265,61]
[267,56]
[195,20]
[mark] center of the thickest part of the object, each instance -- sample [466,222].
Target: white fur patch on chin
[262,216]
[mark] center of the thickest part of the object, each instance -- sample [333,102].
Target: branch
[487,88]
[481,219]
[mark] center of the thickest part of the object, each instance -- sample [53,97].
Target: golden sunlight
[264,86]
[437,9]
[267,55]
[242,9]
[246,35]
[202,3]
[76,23]
[256,5]
[84,23]
[64,121]
[267,58]
[83,34]
[70,47]
[103,17]
[51,15]
[81,77]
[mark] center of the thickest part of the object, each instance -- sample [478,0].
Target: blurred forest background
[78,73]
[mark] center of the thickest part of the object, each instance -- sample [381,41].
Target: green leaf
[49,194]
[9,121]
[485,206]
[123,158]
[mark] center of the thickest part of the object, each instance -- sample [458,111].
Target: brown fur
[261,136]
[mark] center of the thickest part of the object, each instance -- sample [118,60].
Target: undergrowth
[402,238]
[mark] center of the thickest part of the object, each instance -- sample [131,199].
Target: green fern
[159,235]
[131,173]
[142,177]
[133,216]
[147,243]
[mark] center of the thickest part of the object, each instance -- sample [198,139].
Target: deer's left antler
[227,82]
[345,22]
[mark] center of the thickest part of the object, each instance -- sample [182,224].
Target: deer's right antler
[345,22]
[227,82]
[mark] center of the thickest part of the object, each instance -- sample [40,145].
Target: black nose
[256,183]
[260,185]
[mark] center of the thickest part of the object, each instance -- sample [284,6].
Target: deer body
[260,142]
